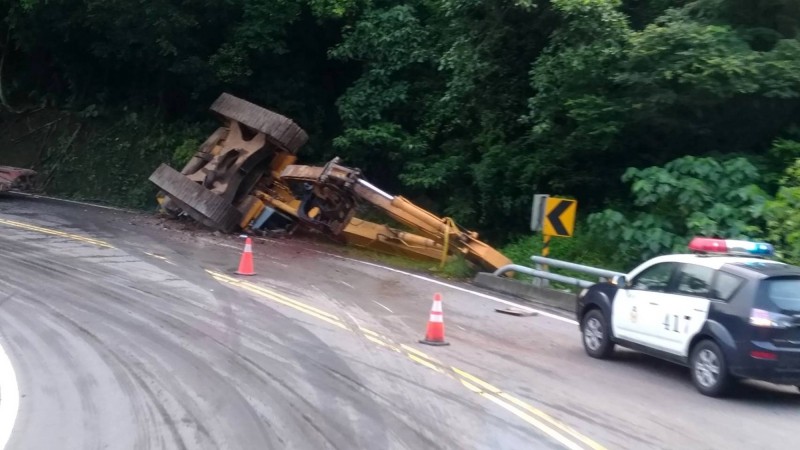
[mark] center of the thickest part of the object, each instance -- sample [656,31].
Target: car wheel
[709,370]
[596,335]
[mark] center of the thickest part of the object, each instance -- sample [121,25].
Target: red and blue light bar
[731,247]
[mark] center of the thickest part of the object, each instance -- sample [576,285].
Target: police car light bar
[731,247]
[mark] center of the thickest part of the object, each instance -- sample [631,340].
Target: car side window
[695,280]
[725,285]
[654,278]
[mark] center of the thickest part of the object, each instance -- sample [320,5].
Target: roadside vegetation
[664,118]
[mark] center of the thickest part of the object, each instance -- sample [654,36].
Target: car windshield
[783,294]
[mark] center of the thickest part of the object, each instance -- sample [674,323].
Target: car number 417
[672,322]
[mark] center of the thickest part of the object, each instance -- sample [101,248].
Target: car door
[635,309]
[684,308]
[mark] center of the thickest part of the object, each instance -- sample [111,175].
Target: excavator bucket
[215,186]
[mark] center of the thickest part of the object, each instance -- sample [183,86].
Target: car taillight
[757,354]
[766,319]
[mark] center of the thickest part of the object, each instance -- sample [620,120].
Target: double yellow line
[542,421]
[280,298]
[50,231]
[539,419]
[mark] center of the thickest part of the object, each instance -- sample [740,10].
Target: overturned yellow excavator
[244,177]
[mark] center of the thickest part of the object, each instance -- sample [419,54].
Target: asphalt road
[125,335]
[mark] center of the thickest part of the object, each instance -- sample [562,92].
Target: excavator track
[280,130]
[199,203]
[215,186]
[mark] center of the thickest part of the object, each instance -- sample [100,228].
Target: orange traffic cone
[246,262]
[435,332]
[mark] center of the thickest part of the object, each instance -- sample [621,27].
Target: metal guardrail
[545,275]
[603,273]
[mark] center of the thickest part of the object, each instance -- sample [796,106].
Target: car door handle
[700,310]
[654,303]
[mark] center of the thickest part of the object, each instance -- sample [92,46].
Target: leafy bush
[783,216]
[184,152]
[687,197]
[456,267]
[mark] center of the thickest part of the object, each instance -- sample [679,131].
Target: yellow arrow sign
[559,217]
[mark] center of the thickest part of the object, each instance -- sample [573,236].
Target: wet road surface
[126,335]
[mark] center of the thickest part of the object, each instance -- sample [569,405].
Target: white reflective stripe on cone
[248,248]
[436,318]
[437,306]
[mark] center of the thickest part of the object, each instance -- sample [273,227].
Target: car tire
[709,369]
[596,335]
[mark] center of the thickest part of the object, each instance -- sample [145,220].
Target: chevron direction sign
[559,217]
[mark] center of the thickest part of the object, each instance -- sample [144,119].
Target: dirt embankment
[103,158]
[27,139]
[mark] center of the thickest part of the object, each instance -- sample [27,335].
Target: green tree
[468,106]
[695,81]
[439,100]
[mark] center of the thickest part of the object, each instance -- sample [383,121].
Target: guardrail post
[544,282]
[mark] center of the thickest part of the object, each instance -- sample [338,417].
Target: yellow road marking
[565,428]
[163,258]
[470,386]
[537,418]
[50,231]
[477,381]
[272,294]
[369,332]
[532,420]
[516,411]
[425,363]
[541,414]
[417,352]
[296,305]
[382,343]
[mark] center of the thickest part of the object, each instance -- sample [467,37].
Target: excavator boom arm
[443,231]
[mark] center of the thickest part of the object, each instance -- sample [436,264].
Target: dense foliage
[783,215]
[467,106]
[687,197]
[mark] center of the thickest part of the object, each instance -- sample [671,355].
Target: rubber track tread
[213,210]
[281,131]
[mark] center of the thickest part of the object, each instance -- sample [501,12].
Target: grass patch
[583,248]
[456,267]
[397,261]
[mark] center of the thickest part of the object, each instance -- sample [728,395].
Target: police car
[726,311]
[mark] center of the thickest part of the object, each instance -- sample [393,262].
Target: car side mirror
[619,281]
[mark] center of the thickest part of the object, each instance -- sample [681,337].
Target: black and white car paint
[725,317]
